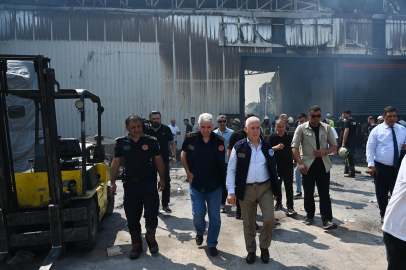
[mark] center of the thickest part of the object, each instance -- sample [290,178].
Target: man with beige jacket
[314,164]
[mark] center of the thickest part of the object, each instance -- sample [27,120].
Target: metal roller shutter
[369,88]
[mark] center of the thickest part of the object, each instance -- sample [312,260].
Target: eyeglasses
[222,121]
[317,115]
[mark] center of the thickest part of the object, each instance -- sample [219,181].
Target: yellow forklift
[66,193]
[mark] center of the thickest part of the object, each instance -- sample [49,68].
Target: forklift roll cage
[44,99]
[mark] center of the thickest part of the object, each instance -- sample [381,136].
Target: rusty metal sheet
[7,25]
[78,26]
[42,25]
[114,27]
[60,25]
[24,27]
[96,26]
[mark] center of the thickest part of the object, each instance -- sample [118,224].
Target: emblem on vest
[221,147]
[241,155]
[126,147]
[191,147]
[270,152]
[145,147]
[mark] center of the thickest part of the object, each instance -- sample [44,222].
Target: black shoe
[328,225]
[213,251]
[291,212]
[264,255]
[278,206]
[223,209]
[136,251]
[167,209]
[256,226]
[382,219]
[297,195]
[357,172]
[309,221]
[238,215]
[250,258]
[199,239]
[152,244]
[350,176]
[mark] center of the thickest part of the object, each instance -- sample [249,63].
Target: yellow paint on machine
[33,190]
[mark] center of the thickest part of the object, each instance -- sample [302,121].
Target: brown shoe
[264,255]
[250,257]
[350,176]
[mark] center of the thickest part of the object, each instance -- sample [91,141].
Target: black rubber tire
[110,204]
[92,223]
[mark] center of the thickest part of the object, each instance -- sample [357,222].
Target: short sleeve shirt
[138,156]
[163,135]
[351,124]
[235,137]
[226,135]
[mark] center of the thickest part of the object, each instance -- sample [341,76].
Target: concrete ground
[356,244]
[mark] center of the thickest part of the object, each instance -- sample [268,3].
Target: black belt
[383,164]
[256,184]
[136,179]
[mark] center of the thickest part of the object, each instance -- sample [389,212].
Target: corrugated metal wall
[135,62]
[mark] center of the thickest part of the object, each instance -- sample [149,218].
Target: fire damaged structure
[185,57]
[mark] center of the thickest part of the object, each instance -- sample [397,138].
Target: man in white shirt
[252,178]
[394,227]
[175,130]
[224,132]
[383,150]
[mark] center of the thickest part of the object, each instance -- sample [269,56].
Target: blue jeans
[213,200]
[298,176]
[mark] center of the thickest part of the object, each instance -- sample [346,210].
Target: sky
[252,85]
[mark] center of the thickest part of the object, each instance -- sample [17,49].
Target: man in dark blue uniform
[203,157]
[140,153]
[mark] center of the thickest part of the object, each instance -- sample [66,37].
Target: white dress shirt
[257,170]
[395,215]
[175,131]
[380,144]
[336,136]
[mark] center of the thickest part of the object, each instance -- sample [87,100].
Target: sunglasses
[222,121]
[316,116]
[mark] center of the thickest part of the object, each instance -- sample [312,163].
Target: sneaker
[152,244]
[297,195]
[309,221]
[328,225]
[350,176]
[213,251]
[199,239]
[291,212]
[223,209]
[167,209]
[278,206]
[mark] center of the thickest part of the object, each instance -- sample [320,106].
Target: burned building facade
[187,57]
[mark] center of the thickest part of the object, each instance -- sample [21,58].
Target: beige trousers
[263,196]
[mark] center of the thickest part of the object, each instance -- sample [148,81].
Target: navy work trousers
[322,180]
[384,180]
[138,197]
[166,193]
[395,252]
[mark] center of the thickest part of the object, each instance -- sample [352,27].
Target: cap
[236,120]
[328,115]
[290,119]
[266,118]
[380,117]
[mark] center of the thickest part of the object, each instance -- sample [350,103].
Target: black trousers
[395,252]
[138,197]
[287,178]
[322,180]
[225,192]
[384,180]
[166,193]
[349,159]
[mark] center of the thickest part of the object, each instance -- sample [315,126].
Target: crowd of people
[247,167]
